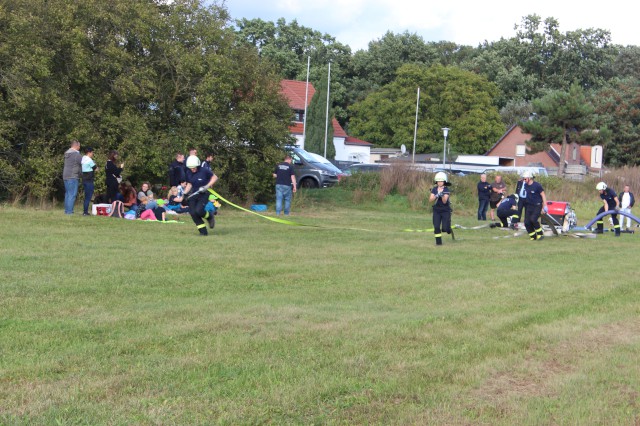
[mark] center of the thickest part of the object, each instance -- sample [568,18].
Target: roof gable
[295,92]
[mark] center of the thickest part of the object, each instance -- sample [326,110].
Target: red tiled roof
[296,128]
[295,92]
[354,141]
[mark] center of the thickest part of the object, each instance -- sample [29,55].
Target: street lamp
[445,132]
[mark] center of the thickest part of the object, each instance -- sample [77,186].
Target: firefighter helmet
[601,186]
[527,174]
[440,177]
[193,162]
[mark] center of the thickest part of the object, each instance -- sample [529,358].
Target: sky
[467,22]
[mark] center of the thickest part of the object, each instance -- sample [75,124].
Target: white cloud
[356,22]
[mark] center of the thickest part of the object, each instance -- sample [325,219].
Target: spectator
[177,170]
[626,202]
[112,176]
[159,211]
[88,177]
[175,201]
[145,191]
[71,174]
[484,192]
[497,193]
[207,162]
[285,185]
[129,198]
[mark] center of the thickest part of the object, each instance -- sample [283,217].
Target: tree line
[150,78]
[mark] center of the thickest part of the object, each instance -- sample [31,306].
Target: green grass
[106,321]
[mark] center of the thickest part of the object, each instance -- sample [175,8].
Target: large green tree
[145,77]
[450,97]
[559,115]
[617,108]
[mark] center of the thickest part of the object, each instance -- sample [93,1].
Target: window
[521,150]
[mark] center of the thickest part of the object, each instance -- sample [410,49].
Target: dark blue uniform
[533,206]
[522,194]
[508,207]
[198,202]
[484,193]
[441,214]
[609,195]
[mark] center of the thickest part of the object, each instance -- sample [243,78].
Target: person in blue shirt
[200,179]
[609,202]
[441,207]
[535,204]
[508,208]
[484,194]
[88,177]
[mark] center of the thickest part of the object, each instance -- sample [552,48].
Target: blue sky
[356,22]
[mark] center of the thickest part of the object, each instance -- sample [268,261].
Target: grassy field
[106,321]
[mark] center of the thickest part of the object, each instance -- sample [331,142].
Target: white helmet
[527,175]
[601,186]
[440,177]
[192,161]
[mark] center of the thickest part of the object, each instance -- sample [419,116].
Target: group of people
[190,181]
[530,198]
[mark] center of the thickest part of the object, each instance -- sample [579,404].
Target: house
[348,149]
[513,152]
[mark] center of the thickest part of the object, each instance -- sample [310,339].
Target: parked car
[313,170]
[364,168]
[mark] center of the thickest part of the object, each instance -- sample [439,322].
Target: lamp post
[445,132]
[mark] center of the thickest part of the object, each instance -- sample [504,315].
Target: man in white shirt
[626,202]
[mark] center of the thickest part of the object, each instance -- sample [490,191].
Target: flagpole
[306,100]
[326,126]
[415,129]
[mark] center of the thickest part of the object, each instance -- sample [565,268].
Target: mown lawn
[106,321]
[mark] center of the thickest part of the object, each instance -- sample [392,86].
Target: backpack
[117,209]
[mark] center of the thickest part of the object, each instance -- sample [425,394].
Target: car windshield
[315,158]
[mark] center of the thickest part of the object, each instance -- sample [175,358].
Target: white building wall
[356,153]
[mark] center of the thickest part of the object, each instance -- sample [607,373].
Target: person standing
[497,193]
[200,180]
[627,201]
[441,207]
[521,192]
[484,193]
[177,170]
[285,185]
[535,204]
[112,176]
[207,161]
[88,177]
[71,174]
[609,202]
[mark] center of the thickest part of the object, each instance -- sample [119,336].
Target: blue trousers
[88,194]
[482,209]
[70,194]
[283,193]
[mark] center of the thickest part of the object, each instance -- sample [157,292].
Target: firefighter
[534,205]
[199,179]
[441,207]
[508,208]
[609,202]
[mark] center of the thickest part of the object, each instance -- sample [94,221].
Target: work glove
[546,209]
[202,189]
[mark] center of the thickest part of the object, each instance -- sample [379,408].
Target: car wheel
[308,183]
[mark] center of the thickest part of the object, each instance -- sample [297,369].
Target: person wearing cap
[88,177]
[71,174]
[159,211]
[441,207]
[508,208]
[285,184]
[199,179]
[535,204]
[609,202]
